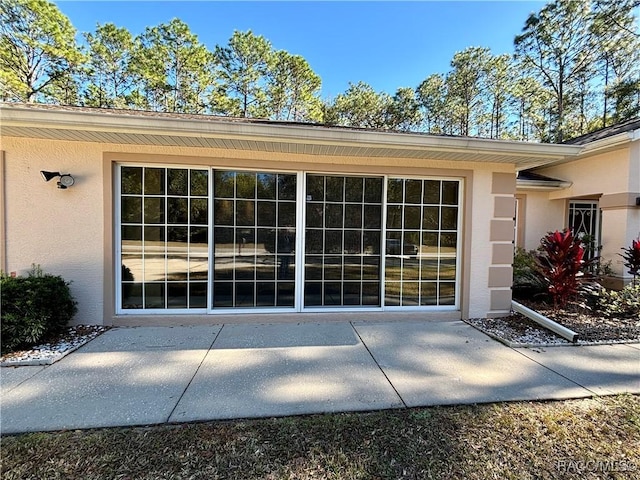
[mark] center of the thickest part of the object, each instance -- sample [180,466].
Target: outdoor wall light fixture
[66,180]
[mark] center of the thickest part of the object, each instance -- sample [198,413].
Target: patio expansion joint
[404,404]
[168,420]
[557,373]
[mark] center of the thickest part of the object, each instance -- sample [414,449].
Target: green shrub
[624,303]
[33,307]
[527,282]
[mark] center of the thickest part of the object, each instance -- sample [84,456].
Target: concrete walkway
[154,375]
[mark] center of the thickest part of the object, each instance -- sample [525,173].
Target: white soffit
[150,128]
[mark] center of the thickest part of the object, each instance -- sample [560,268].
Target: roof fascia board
[124,123]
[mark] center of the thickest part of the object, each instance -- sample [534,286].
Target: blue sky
[385,44]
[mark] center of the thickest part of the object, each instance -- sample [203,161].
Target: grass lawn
[589,438]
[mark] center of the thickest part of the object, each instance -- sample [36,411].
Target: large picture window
[214,240]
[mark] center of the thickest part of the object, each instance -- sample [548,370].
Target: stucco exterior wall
[60,230]
[67,232]
[541,215]
[606,173]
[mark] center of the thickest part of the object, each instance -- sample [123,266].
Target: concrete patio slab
[285,369]
[449,362]
[11,377]
[127,376]
[603,369]
[633,345]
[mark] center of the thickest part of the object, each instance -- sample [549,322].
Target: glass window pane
[266,240]
[154,181]
[429,293]
[447,293]
[154,238]
[430,243]
[131,237]
[197,295]
[131,180]
[131,210]
[334,217]
[335,189]
[353,216]
[177,182]
[333,293]
[266,267]
[267,214]
[353,241]
[223,184]
[178,266]
[154,210]
[450,193]
[410,293]
[177,209]
[393,268]
[394,190]
[448,269]
[332,268]
[449,218]
[371,268]
[245,185]
[392,294]
[373,190]
[132,295]
[371,293]
[371,243]
[154,295]
[410,269]
[448,243]
[313,241]
[431,192]
[352,267]
[394,216]
[223,212]
[245,267]
[372,216]
[222,294]
[266,184]
[178,237]
[351,293]
[333,241]
[199,182]
[177,295]
[315,188]
[265,294]
[313,267]
[429,269]
[132,267]
[199,211]
[413,191]
[411,217]
[312,294]
[287,187]
[286,292]
[430,218]
[286,214]
[354,189]
[315,214]
[245,212]
[244,294]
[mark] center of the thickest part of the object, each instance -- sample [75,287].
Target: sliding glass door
[218,240]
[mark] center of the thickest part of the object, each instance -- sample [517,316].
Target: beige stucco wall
[68,232]
[612,178]
[541,215]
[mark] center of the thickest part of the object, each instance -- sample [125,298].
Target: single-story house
[596,193]
[164,218]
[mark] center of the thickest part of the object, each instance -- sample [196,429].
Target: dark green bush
[33,307]
[527,281]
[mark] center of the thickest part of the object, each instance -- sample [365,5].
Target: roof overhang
[150,128]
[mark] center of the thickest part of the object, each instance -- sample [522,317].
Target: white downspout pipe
[545,322]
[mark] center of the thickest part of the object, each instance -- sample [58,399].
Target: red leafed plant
[631,257]
[561,263]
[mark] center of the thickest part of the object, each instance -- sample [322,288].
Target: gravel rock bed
[592,330]
[55,348]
